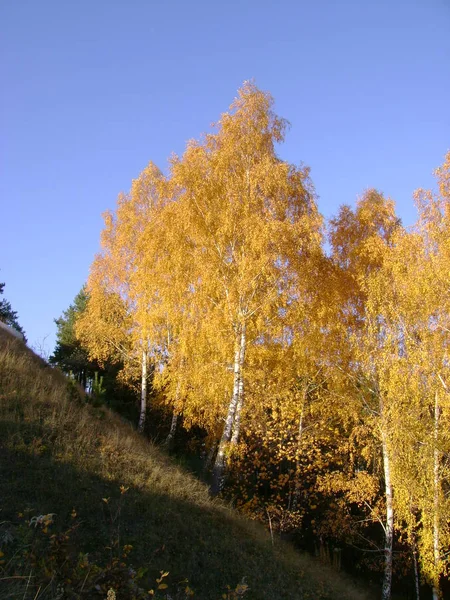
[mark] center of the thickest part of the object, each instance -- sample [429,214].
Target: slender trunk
[210,457]
[220,462]
[416,569]
[297,460]
[240,402]
[414,549]
[436,591]
[389,526]
[143,411]
[173,428]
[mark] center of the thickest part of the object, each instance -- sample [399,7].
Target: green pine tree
[8,315]
[69,355]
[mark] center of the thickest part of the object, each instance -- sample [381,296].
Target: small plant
[98,391]
[238,592]
[44,520]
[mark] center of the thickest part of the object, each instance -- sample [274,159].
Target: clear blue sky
[93,90]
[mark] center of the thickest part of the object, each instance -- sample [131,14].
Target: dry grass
[59,453]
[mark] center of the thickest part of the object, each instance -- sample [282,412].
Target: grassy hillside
[64,458]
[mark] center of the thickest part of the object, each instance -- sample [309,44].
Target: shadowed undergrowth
[122,511]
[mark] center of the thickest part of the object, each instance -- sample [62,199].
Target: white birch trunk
[220,462]
[240,403]
[173,426]
[143,411]
[436,591]
[389,525]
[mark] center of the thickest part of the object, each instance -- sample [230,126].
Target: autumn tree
[122,316]
[361,240]
[250,229]
[412,296]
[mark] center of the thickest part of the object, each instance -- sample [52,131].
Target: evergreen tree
[69,354]
[8,315]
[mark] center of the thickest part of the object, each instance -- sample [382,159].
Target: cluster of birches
[314,355]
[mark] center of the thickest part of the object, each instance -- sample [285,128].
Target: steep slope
[62,457]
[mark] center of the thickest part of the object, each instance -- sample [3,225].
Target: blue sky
[93,90]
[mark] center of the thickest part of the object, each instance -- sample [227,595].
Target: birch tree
[415,300]
[250,226]
[361,241]
[123,316]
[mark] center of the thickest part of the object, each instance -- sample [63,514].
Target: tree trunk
[173,428]
[414,550]
[240,403]
[436,591]
[416,569]
[297,460]
[143,411]
[389,526]
[210,457]
[220,462]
